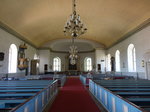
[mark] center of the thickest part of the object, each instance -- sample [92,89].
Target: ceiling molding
[44,48]
[93,50]
[135,30]
[14,33]
[94,43]
[88,51]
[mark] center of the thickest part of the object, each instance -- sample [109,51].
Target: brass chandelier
[74,26]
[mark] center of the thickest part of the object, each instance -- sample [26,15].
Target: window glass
[131,58]
[12,63]
[117,56]
[57,64]
[88,64]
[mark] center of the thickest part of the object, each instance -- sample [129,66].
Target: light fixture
[74,26]
[73,53]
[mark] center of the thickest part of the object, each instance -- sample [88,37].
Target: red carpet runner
[73,98]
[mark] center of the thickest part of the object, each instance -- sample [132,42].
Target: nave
[73,97]
[46,45]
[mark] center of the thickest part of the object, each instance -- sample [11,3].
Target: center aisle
[73,97]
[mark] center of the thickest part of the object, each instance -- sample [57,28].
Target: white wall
[141,41]
[44,59]
[64,59]
[62,56]
[100,58]
[82,56]
[6,39]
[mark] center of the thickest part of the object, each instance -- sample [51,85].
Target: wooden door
[34,67]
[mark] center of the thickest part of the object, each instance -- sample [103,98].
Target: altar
[72,70]
[73,73]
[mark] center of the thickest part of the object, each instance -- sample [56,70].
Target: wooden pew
[15,94]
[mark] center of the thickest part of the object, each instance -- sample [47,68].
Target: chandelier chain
[74,6]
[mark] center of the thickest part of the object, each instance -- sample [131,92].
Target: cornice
[54,51]
[135,30]
[16,34]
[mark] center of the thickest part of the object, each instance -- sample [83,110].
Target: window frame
[56,64]
[88,64]
[117,60]
[131,54]
[109,62]
[12,61]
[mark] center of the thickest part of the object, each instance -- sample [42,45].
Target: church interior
[74,55]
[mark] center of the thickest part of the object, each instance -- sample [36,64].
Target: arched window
[88,64]
[131,58]
[117,56]
[36,56]
[12,63]
[109,62]
[57,64]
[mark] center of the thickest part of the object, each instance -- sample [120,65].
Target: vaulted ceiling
[41,21]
